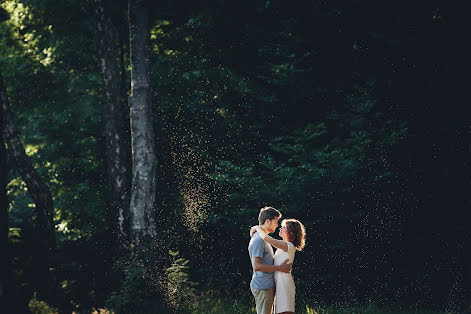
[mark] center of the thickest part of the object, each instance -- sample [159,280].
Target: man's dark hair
[268,213]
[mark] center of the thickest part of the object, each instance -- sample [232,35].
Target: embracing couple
[272,281]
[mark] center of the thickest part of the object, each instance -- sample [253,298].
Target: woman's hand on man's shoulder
[252,231]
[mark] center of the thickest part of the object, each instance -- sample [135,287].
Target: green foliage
[180,290]
[40,307]
[135,295]
[316,164]
[143,290]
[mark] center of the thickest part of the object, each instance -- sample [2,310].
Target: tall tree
[116,128]
[40,194]
[142,130]
[3,216]
[3,203]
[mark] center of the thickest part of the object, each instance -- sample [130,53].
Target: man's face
[273,224]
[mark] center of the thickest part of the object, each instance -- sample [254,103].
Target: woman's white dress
[285,288]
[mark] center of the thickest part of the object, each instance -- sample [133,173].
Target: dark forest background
[351,116]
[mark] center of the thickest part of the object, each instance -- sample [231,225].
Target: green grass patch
[211,305]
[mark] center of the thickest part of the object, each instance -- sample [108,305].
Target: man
[261,256]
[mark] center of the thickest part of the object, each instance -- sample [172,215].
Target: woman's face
[284,232]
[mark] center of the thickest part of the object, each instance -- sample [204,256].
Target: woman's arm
[276,243]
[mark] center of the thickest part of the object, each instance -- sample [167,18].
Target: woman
[293,234]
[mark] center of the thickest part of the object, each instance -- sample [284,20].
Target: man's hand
[285,267]
[257,265]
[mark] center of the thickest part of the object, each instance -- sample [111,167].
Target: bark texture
[142,130]
[116,127]
[41,195]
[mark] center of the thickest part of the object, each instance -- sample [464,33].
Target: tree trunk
[142,130]
[3,218]
[116,128]
[46,241]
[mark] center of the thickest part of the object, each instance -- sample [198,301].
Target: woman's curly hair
[296,231]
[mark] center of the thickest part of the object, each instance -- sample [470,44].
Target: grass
[364,310]
[217,305]
[221,306]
